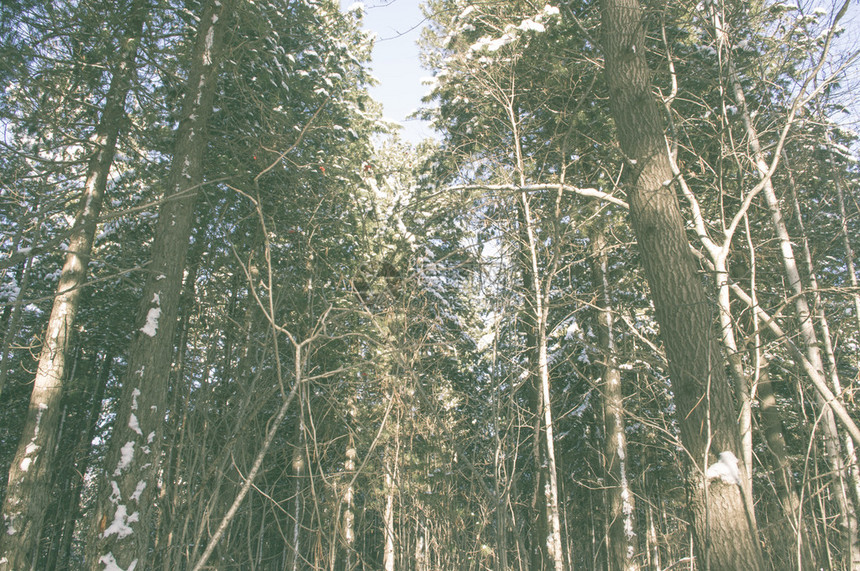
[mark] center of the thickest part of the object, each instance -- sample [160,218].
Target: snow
[465,13]
[119,525]
[115,494]
[210,35]
[511,32]
[529,25]
[126,456]
[726,469]
[578,411]
[355,7]
[111,564]
[492,45]
[151,326]
[550,11]
[134,425]
[486,340]
[138,490]
[134,394]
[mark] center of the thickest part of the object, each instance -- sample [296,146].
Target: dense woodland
[609,319]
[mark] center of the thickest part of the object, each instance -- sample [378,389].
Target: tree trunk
[843,227]
[623,545]
[349,507]
[786,489]
[853,479]
[80,427]
[806,327]
[299,473]
[391,464]
[548,546]
[551,503]
[725,532]
[27,492]
[120,533]
[12,316]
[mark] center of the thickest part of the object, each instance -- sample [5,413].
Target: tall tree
[725,531]
[27,491]
[120,533]
[623,542]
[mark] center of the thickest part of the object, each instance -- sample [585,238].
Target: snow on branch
[587,192]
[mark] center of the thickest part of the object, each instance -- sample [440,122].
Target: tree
[726,534]
[120,534]
[27,492]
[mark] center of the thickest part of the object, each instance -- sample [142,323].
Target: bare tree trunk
[299,473]
[846,237]
[623,549]
[349,508]
[653,543]
[827,345]
[389,553]
[725,532]
[806,326]
[538,295]
[27,492]
[786,488]
[13,320]
[119,535]
[422,555]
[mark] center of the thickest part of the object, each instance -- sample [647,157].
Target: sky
[396,63]
[397,25]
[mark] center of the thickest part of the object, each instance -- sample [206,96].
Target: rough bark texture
[724,530]
[120,533]
[27,492]
[623,545]
[786,489]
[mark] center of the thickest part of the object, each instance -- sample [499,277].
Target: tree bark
[120,533]
[27,492]
[547,548]
[808,336]
[623,545]
[786,488]
[725,532]
[392,459]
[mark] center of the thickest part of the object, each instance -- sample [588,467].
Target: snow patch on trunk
[110,563]
[726,469]
[134,424]
[119,525]
[151,326]
[126,457]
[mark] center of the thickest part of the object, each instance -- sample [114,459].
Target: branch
[816,376]
[586,192]
[295,143]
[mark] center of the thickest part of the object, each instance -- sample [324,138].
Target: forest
[608,318]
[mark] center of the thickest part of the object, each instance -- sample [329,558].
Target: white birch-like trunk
[623,543]
[827,345]
[389,553]
[553,540]
[349,509]
[806,327]
[27,491]
[298,501]
[541,296]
